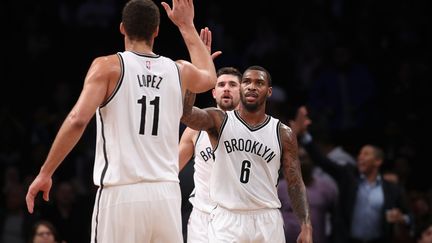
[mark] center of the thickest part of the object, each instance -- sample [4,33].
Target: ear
[269,92]
[214,93]
[156,33]
[122,29]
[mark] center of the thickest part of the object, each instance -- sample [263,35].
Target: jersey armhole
[221,131]
[119,82]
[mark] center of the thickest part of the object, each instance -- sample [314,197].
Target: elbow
[210,82]
[77,121]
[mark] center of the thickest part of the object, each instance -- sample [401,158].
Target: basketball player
[249,148]
[137,96]
[196,143]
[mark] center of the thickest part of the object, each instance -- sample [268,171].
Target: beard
[226,106]
[249,106]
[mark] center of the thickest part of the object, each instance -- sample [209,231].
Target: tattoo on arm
[188,102]
[200,119]
[292,174]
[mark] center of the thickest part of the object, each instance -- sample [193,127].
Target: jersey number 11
[155,103]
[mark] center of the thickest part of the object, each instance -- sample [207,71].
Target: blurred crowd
[360,68]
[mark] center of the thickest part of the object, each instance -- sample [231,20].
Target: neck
[253,118]
[372,176]
[138,46]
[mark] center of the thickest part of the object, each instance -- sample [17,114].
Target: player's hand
[41,183]
[305,235]
[206,37]
[182,12]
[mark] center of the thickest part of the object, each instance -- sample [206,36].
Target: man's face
[426,236]
[227,92]
[254,89]
[367,160]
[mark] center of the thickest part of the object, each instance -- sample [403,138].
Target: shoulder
[288,139]
[109,65]
[285,131]
[106,60]
[183,65]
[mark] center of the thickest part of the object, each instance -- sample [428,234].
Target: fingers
[216,54]
[166,7]
[202,36]
[205,35]
[46,195]
[30,201]
[208,36]
[189,2]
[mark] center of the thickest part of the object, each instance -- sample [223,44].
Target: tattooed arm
[296,186]
[208,119]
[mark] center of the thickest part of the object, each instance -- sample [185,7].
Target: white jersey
[200,197]
[247,164]
[138,126]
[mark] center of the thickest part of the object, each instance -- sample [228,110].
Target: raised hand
[182,12]
[206,37]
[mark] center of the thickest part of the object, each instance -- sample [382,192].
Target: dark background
[382,48]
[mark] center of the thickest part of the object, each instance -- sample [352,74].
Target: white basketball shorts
[258,226]
[143,212]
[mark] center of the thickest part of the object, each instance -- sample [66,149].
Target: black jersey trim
[278,127]
[197,138]
[252,129]
[180,83]
[103,173]
[97,214]
[104,149]
[145,54]
[119,82]
[224,122]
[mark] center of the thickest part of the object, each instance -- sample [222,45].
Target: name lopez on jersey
[149,81]
[250,146]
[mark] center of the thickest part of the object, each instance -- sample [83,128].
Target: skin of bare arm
[296,187]
[187,146]
[208,119]
[189,136]
[99,83]
[200,75]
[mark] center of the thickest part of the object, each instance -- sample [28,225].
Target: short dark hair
[47,224]
[378,151]
[230,71]
[259,68]
[140,19]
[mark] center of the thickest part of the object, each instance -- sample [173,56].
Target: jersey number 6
[245,171]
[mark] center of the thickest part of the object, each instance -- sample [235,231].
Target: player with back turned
[137,96]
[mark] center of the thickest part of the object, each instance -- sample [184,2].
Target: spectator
[424,234]
[373,209]
[43,232]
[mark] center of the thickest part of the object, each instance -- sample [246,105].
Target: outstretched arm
[189,136]
[208,119]
[200,76]
[95,91]
[296,186]
[187,146]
